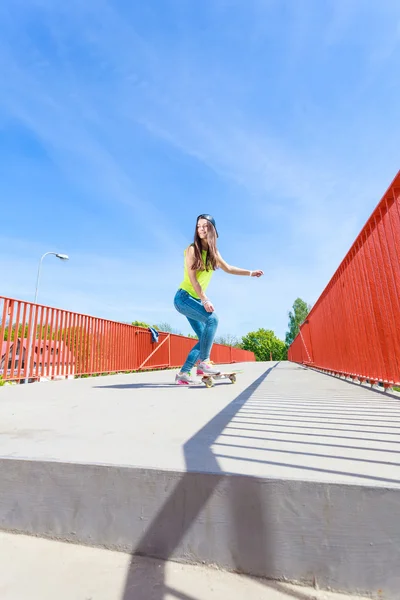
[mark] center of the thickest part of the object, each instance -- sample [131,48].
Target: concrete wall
[342,537]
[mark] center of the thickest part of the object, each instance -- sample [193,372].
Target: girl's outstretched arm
[236,270]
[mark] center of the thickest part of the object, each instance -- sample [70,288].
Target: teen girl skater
[201,260]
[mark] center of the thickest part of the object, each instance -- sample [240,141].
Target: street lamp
[61,257]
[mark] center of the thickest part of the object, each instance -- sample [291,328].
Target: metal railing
[354,327]
[44,342]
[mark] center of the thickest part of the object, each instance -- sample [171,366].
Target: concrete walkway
[277,421]
[288,474]
[37,569]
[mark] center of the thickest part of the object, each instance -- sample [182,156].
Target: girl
[201,260]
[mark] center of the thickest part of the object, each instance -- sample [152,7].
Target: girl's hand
[208,305]
[257,273]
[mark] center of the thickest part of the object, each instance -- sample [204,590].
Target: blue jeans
[203,323]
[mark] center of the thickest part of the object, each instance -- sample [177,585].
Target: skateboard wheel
[233,378]
[208,382]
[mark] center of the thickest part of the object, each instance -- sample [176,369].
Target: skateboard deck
[208,380]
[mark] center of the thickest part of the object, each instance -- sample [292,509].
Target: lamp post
[61,257]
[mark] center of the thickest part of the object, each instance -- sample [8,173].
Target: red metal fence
[354,327]
[40,341]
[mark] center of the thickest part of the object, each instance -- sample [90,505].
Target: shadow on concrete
[318,435]
[308,427]
[382,392]
[272,410]
[312,469]
[317,444]
[131,386]
[252,548]
[259,420]
[146,584]
[165,533]
[138,386]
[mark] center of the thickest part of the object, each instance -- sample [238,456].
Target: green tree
[140,324]
[264,343]
[296,318]
[12,333]
[83,344]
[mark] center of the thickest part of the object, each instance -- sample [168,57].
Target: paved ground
[37,569]
[294,429]
[279,421]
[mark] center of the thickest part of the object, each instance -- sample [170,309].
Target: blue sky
[121,121]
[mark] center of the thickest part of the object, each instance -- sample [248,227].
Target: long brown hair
[211,259]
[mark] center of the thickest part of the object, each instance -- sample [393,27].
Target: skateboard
[208,380]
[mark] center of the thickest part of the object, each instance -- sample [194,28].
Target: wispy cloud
[71,126]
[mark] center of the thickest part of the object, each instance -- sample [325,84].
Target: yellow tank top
[203,277]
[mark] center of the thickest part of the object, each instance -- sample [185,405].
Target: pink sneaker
[207,368]
[184,379]
[200,371]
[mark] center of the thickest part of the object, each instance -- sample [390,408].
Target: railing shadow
[188,499]
[253,549]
